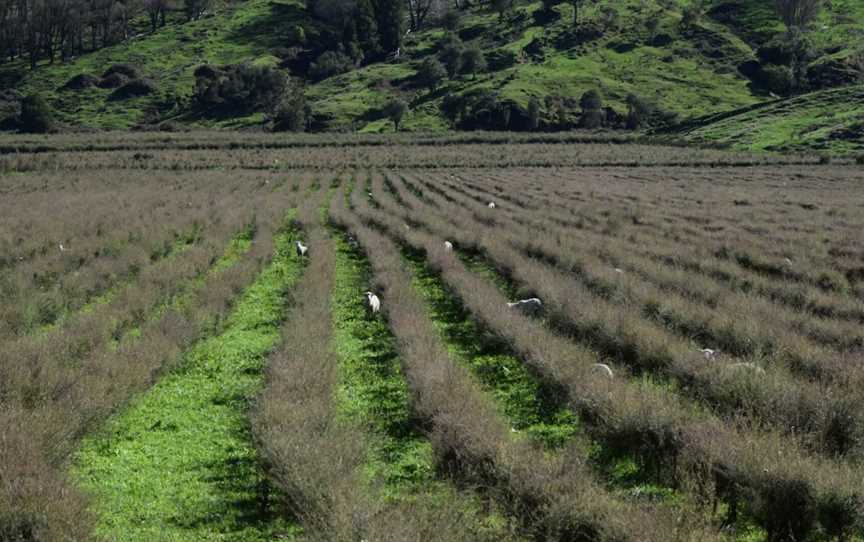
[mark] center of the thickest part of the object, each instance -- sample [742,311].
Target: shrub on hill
[113,80]
[395,111]
[431,73]
[330,63]
[36,115]
[238,87]
[292,114]
[80,82]
[128,70]
[133,89]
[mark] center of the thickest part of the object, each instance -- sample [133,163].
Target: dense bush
[329,64]
[133,89]
[81,81]
[292,114]
[36,115]
[450,51]
[128,70]
[113,80]
[239,87]
[395,111]
[431,73]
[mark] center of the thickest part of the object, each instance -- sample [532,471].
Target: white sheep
[619,270]
[302,249]
[61,247]
[491,205]
[448,246]
[373,302]
[709,354]
[530,306]
[603,369]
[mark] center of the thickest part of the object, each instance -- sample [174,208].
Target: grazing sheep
[448,246]
[603,369]
[531,306]
[788,261]
[748,367]
[373,302]
[61,247]
[619,270]
[710,354]
[302,249]
[491,205]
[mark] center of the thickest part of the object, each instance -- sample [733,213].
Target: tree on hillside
[502,7]
[450,54]
[194,9]
[156,10]
[577,4]
[395,111]
[533,113]
[389,15]
[366,28]
[431,73]
[418,10]
[592,110]
[797,13]
[473,61]
[36,115]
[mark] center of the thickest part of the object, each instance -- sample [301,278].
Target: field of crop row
[172,368]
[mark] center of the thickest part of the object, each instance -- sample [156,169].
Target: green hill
[693,68]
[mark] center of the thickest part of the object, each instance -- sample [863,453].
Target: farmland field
[171,368]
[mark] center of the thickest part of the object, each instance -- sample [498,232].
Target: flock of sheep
[530,307]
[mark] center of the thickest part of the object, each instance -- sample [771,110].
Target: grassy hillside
[691,70]
[828,120]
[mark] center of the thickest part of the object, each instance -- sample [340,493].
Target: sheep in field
[373,302]
[531,307]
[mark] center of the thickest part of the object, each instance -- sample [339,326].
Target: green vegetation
[372,391]
[179,462]
[685,62]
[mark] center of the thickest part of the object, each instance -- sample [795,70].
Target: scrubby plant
[293,113]
[395,111]
[450,54]
[592,113]
[330,63]
[36,115]
[533,113]
[431,73]
[472,61]
[239,87]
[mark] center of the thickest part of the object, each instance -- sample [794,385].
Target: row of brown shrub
[555,497]
[738,464]
[52,396]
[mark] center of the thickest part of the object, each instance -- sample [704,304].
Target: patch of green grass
[372,391]
[520,396]
[179,463]
[830,121]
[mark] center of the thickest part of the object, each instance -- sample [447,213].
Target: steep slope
[646,47]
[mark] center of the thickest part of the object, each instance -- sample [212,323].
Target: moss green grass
[179,463]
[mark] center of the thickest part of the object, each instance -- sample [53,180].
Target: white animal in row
[491,205]
[302,249]
[448,246]
[710,354]
[531,306]
[373,302]
[603,369]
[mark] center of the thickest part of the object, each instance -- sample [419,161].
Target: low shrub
[133,89]
[80,82]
